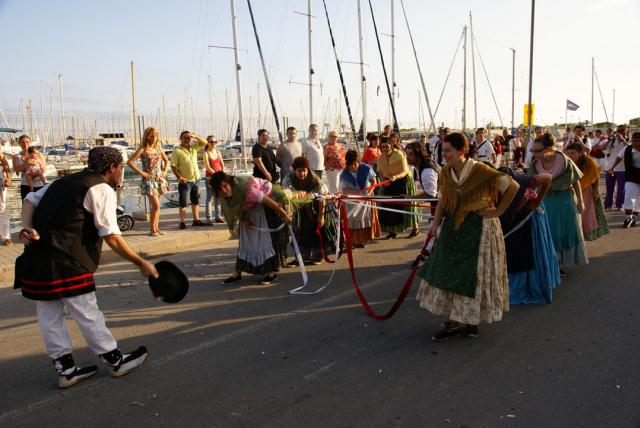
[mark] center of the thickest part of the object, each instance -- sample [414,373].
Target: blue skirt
[535,286]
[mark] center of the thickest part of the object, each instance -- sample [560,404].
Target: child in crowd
[34,170]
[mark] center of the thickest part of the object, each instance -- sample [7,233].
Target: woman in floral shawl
[262,250]
[594,221]
[564,201]
[466,276]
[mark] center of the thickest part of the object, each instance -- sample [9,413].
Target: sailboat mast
[210,106]
[133,107]
[235,54]
[363,80]
[64,130]
[393,55]
[464,83]
[593,72]
[473,70]
[311,72]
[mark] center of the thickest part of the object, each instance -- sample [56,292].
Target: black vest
[61,264]
[631,173]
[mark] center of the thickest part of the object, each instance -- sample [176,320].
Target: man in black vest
[64,225]
[631,158]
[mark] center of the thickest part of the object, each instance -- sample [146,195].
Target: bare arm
[121,248]
[201,141]
[28,234]
[437,219]
[578,192]
[544,181]
[7,170]
[261,167]
[207,165]
[615,164]
[165,159]
[131,162]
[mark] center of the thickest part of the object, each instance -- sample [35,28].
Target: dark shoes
[69,374]
[391,236]
[453,329]
[219,220]
[198,223]
[414,233]
[629,222]
[209,223]
[182,226]
[269,279]
[231,280]
[120,364]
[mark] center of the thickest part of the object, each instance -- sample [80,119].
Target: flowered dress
[152,164]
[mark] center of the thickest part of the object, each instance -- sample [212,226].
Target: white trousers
[84,310]
[333,180]
[4,216]
[631,197]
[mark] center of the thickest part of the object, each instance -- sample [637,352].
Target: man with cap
[64,224]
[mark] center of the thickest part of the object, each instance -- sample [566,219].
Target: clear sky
[92,42]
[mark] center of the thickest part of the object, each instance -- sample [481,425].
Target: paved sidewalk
[138,238]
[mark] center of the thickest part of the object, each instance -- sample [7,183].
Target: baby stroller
[125,221]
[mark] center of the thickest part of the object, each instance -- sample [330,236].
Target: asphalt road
[251,355]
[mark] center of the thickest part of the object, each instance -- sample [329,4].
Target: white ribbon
[524,221]
[298,291]
[379,208]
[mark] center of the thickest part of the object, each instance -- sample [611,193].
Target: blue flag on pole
[572,106]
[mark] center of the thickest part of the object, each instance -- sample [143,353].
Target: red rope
[363,300]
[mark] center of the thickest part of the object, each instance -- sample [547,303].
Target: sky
[91,44]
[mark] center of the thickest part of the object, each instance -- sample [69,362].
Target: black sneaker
[469,331]
[390,236]
[293,262]
[449,330]
[198,223]
[269,279]
[120,364]
[231,280]
[69,374]
[182,225]
[562,273]
[632,223]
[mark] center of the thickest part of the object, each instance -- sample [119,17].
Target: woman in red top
[372,152]
[334,161]
[212,160]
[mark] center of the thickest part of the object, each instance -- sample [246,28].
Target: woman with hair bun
[563,201]
[466,276]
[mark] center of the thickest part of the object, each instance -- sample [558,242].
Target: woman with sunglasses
[213,163]
[564,200]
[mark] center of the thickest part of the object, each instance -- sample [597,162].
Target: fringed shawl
[591,171]
[311,184]
[476,191]
[562,181]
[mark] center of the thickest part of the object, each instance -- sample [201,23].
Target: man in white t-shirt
[484,148]
[312,150]
[614,178]
[630,157]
